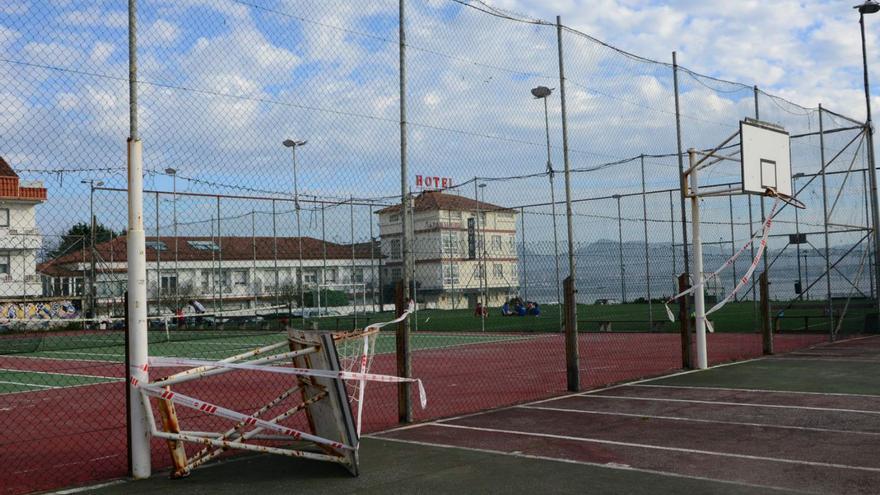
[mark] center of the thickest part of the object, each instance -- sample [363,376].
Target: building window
[4,264]
[203,245]
[496,243]
[330,275]
[310,277]
[450,274]
[4,217]
[478,271]
[511,243]
[395,249]
[394,218]
[513,272]
[454,216]
[156,245]
[395,274]
[450,243]
[498,271]
[206,280]
[169,282]
[358,276]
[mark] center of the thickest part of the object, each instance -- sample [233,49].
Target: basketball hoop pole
[699,294]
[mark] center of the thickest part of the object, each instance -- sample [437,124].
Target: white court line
[663,448]
[744,404]
[734,389]
[62,374]
[700,420]
[615,466]
[819,357]
[27,385]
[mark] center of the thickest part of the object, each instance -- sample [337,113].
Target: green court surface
[12,381]
[104,347]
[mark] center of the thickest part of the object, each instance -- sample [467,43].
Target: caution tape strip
[765,232]
[219,411]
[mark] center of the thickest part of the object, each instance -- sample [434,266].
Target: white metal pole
[697,274]
[137,271]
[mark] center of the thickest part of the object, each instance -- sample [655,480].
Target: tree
[79,237]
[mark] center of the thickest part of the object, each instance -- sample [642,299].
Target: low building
[19,238]
[227,272]
[464,250]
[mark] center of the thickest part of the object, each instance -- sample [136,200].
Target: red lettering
[445,182]
[418,181]
[436,181]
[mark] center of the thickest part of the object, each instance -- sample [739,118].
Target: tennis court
[804,422]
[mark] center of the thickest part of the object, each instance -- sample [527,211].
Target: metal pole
[733,244]
[525,284]
[682,183]
[766,257]
[137,273]
[254,247]
[872,167]
[806,274]
[323,252]
[275,253]
[220,259]
[620,252]
[94,253]
[481,248]
[571,343]
[296,207]
[672,237]
[752,252]
[868,225]
[404,358]
[158,261]
[551,175]
[373,276]
[351,277]
[825,220]
[174,222]
[647,249]
[797,230]
[699,294]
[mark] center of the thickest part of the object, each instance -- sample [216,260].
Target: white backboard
[766,158]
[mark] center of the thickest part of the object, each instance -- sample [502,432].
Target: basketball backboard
[765,157]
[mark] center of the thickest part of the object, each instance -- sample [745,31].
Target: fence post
[571,343]
[404,359]
[766,327]
[684,235]
[684,319]
[137,270]
[825,227]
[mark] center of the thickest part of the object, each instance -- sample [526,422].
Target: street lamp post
[173,173]
[92,252]
[293,145]
[797,230]
[542,93]
[870,7]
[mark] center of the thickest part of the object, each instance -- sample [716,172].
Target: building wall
[19,241]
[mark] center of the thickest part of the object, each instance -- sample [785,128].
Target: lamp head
[99,183]
[170,171]
[869,7]
[291,143]
[541,92]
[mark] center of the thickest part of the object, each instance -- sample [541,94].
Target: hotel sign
[433,182]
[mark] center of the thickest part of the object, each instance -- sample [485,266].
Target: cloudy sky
[223,82]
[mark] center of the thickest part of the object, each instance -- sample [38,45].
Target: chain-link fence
[272,153]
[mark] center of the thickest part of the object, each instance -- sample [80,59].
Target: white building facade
[464,251]
[19,238]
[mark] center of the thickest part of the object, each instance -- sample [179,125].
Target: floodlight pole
[293,145]
[699,296]
[139,442]
[872,167]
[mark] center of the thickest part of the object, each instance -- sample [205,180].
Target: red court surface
[75,435]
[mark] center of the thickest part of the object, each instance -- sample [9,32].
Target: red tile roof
[231,249]
[6,170]
[436,200]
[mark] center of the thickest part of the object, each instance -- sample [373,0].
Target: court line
[700,420]
[614,466]
[734,389]
[724,403]
[27,385]
[661,447]
[819,357]
[114,378]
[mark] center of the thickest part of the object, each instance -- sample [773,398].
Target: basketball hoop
[785,198]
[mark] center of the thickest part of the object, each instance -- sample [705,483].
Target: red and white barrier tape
[222,412]
[160,361]
[765,232]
